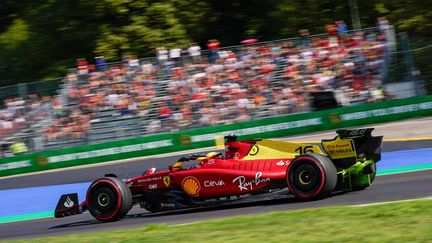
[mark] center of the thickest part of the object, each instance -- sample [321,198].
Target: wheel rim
[103,199]
[306,178]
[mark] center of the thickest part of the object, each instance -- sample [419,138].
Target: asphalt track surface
[385,188]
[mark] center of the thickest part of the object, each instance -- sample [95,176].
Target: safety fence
[204,137]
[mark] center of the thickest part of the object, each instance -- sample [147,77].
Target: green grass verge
[409,221]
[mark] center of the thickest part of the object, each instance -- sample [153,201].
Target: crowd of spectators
[187,87]
[18,112]
[67,124]
[273,79]
[12,116]
[18,115]
[349,65]
[126,88]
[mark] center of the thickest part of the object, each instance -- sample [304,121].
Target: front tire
[311,176]
[108,199]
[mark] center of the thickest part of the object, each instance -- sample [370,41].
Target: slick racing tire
[108,199]
[311,176]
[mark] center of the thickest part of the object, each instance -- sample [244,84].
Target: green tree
[139,27]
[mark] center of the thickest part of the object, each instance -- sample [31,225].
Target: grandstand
[137,97]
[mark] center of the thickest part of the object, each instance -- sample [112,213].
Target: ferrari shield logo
[167,181]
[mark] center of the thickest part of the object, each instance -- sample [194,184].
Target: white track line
[387,202]
[358,205]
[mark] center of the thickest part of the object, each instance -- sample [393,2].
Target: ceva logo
[214,183]
[68,203]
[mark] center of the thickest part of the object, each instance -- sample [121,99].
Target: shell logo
[191,186]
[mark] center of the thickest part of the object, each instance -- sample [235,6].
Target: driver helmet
[150,171]
[215,155]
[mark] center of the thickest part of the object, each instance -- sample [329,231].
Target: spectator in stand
[6,120]
[194,51]
[161,55]
[331,30]
[154,126]
[133,63]
[213,47]
[244,116]
[82,66]
[18,147]
[165,113]
[175,55]
[148,68]
[185,59]
[304,37]
[341,29]
[100,64]
[383,24]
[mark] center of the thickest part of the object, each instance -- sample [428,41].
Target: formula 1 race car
[250,169]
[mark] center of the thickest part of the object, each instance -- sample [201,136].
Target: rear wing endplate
[351,145]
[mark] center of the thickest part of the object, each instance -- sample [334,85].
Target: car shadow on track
[145,214]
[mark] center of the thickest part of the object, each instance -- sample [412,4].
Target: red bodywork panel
[217,177]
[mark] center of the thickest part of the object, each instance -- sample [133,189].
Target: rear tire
[108,199]
[311,176]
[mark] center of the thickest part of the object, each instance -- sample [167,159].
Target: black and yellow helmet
[213,154]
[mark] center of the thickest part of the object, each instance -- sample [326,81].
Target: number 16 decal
[305,149]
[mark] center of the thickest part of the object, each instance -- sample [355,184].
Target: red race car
[251,169]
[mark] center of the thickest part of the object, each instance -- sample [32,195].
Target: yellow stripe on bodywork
[271,149]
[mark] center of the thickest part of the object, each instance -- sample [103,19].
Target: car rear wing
[351,145]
